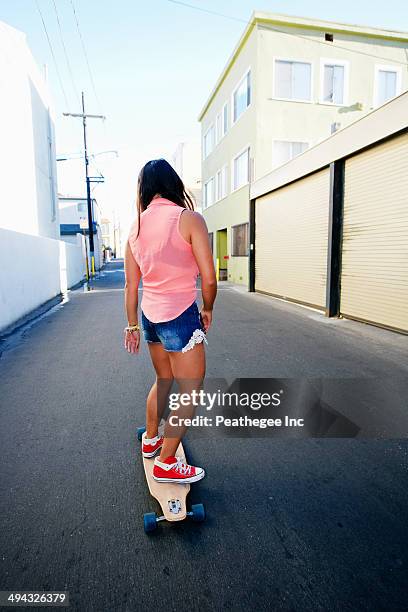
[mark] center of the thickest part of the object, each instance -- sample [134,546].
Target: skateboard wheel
[198,512]
[149,522]
[140,432]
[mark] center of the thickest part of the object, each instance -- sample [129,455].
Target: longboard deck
[170,495]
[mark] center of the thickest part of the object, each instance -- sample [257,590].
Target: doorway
[222,254]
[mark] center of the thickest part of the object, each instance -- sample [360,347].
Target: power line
[88,179]
[319,42]
[65,52]
[85,54]
[53,55]
[203,10]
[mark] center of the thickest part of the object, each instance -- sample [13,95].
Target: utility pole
[88,180]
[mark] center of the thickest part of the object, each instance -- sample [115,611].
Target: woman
[167,247]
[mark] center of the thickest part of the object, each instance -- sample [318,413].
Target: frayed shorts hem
[178,335]
[183,350]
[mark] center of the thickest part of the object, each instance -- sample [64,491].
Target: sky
[153,64]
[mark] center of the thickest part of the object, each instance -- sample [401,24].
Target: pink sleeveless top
[166,261]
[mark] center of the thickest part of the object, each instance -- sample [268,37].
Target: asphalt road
[292,525]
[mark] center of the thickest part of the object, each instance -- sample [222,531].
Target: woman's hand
[206,318]
[132,341]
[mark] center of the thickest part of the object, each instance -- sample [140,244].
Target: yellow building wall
[267,119]
[233,209]
[311,121]
[224,214]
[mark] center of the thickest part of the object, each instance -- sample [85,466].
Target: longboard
[170,495]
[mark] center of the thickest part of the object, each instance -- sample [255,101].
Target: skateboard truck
[150,519]
[163,518]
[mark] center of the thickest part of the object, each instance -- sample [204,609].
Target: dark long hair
[158,177]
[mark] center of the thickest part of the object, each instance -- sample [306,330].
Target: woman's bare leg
[189,370]
[162,366]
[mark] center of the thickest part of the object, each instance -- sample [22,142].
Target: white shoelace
[182,467]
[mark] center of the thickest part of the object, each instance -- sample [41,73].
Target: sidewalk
[292,525]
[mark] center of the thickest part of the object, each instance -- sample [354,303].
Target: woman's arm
[132,280]
[202,252]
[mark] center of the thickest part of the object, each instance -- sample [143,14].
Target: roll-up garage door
[291,226]
[374,277]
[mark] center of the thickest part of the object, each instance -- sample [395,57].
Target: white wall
[72,262]
[69,213]
[27,152]
[31,272]
[35,265]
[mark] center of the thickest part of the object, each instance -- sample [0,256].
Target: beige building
[186,161]
[288,85]
[108,236]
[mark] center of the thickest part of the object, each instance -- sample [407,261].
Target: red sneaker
[151,447]
[174,469]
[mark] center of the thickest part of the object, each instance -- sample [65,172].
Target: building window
[387,84]
[221,183]
[218,128]
[241,98]
[82,207]
[209,192]
[334,82]
[240,240]
[208,141]
[240,170]
[225,119]
[293,80]
[284,150]
[221,124]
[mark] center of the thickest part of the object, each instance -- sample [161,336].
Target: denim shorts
[178,335]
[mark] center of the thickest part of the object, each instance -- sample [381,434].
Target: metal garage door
[374,278]
[291,226]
